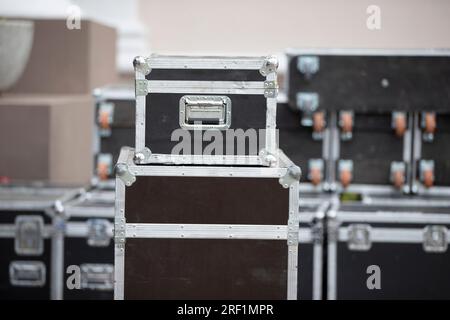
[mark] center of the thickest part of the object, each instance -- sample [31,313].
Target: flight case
[31,241]
[206,232]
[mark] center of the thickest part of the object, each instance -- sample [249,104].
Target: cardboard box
[47,138]
[69,61]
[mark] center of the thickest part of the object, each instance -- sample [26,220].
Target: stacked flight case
[388,113]
[113,128]
[384,248]
[89,245]
[193,222]
[32,241]
[384,152]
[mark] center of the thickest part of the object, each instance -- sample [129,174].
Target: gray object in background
[46,138]
[16,39]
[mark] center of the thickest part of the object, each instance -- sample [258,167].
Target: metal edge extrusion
[126,175]
[267,66]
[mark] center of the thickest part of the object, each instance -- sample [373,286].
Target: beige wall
[262,26]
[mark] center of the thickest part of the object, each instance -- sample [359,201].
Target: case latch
[98,235]
[105,118]
[104,165]
[29,239]
[435,239]
[359,237]
[97,276]
[27,273]
[307,103]
[308,65]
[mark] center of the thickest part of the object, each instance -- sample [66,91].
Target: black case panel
[162,118]
[305,271]
[439,150]
[10,292]
[78,252]
[355,82]
[296,140]
[407,272]
[372,148]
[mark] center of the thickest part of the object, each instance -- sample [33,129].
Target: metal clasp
[307,103]
[435,239]
[29,239]
[98,232]
[105,118]
[308,65]
[359,237]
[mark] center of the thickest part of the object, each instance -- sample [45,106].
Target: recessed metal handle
[97,276]
[27,273]
[205,112]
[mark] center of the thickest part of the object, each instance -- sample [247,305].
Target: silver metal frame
[337,233]
[267,66]
[127,170]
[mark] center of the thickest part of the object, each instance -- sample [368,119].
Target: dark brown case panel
[207,200]
[205,269]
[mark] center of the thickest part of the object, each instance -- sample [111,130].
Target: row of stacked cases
[199,225]
[375,180]
[54,237]
[370,128]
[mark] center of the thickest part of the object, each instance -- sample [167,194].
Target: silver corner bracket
[141,87]
[292,175]
[270,65]
[270,89]
[142,156]
[124,174]
[267,158]
[293,231]
[119,231]
[141,65]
